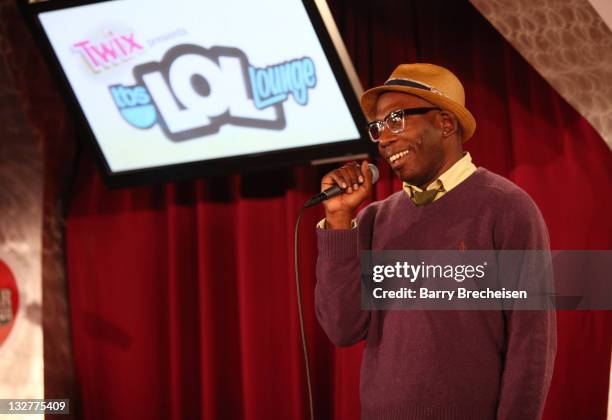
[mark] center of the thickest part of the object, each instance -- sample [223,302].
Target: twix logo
[112,49]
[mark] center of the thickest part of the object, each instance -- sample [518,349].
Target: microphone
[336,190]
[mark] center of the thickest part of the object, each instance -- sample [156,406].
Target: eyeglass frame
[405,112]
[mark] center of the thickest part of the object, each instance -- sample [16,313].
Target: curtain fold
[182,295]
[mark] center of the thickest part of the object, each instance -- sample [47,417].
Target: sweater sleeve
[530,344]
[338,289]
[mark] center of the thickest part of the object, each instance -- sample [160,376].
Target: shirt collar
[452,177]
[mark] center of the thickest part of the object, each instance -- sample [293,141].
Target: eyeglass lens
[374,129]
[394,121]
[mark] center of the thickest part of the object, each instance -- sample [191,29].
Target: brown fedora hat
[433,83]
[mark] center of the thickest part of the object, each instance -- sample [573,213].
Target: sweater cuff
[322,225]
[338,243]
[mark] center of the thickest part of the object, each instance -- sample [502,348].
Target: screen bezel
[341,69]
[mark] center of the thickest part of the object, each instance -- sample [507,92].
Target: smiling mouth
[398,156]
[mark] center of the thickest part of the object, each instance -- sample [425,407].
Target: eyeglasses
[394,121]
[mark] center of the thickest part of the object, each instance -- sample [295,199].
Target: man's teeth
[398,155]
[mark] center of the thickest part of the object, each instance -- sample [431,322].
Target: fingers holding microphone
[356,181]
[348,177]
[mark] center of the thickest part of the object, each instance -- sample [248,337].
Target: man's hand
[357,179]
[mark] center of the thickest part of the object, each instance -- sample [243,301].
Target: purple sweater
[441,364]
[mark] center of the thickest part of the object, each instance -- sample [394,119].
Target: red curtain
[182,296]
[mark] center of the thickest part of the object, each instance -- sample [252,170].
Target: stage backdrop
[181,295]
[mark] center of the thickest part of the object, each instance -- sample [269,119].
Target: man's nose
[387,138]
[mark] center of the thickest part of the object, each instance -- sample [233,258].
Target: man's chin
[407,176]
[413,177]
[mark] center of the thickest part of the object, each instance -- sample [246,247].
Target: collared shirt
[452,177]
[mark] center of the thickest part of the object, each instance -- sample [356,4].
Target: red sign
[9,301]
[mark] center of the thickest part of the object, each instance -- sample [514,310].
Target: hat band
[413,84]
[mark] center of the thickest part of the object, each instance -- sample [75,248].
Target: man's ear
[448,124]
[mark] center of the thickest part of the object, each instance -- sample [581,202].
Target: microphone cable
[330,192]
[298,289]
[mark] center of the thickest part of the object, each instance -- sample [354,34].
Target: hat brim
[465,117]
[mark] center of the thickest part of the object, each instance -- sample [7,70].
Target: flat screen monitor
[188,88]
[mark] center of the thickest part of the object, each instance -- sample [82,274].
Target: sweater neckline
[455,192]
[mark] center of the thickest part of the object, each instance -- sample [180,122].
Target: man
[432,364]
